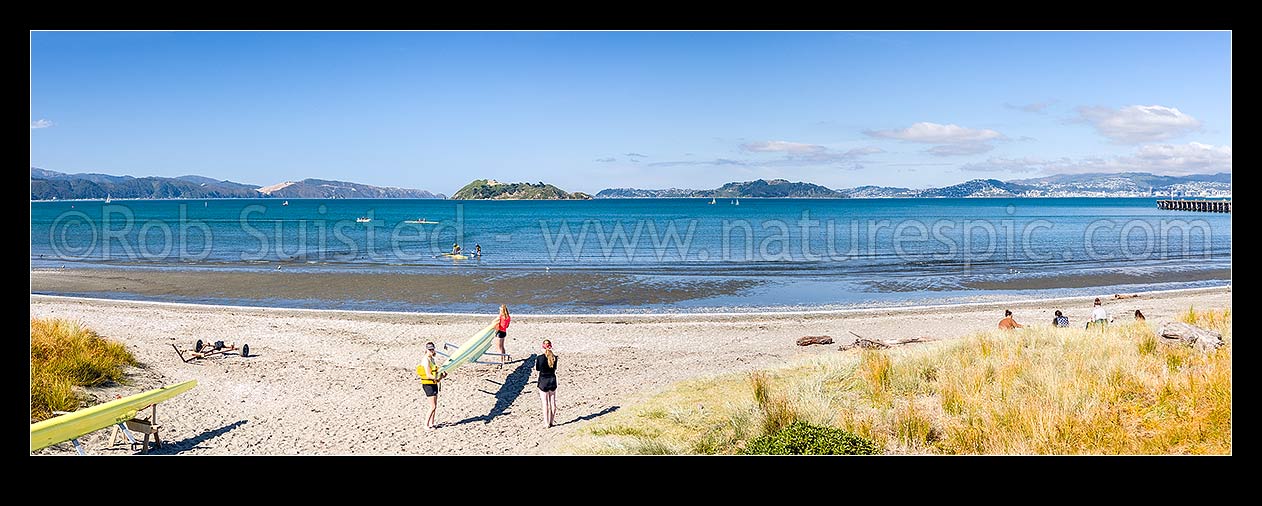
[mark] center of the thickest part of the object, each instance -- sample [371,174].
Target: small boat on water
[711,201]
[421,221]
[363,219]
[108,199]
[285,203]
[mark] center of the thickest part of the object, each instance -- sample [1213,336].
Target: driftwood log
[869,344]
[809,340]
[1190,335]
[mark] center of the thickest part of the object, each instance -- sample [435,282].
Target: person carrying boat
[501,332]
[428,371]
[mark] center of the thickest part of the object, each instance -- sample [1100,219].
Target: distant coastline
[49,185]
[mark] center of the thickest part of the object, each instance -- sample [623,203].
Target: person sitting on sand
[1060,320]
[1099,316]
[546,364]
[428,371]
[1007,323]
[1139,317]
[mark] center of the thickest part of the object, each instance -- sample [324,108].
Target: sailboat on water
[108,199]
[711,201]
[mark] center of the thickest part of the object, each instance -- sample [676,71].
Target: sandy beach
[339,382]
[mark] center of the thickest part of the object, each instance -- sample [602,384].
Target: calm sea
[800,253]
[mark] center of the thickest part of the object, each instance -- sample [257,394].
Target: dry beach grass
[336,382]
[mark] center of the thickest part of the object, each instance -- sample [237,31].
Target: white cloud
[1037,107]
[1190,158]
[635,155]
[993,164]
[1160,159]
[1135,124]
[716,161]
[792,154]
[967,148]
[782,147]
[865,150]
[934,133]
[41,123]
[607,160]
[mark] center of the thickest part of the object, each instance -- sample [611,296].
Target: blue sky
[593,110]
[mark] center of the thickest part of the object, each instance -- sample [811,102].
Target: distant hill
[1141,183]
[324,189]
[633,193]
[877,192]
[778,188]
[50,185]
[977,188]
[1126,184]
[202,180]
[95,178]
[490,189]
[53,185]
[749,189]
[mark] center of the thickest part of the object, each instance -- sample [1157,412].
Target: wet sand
[340,382]
[422,291]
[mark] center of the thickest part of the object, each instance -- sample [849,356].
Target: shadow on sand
[508,392]
[602,412]
[172,448]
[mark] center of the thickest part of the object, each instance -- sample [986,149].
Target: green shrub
[801,438]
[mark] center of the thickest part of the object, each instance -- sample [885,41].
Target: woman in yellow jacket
[428,371]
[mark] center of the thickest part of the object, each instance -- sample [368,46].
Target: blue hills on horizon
[1126,184]
[53,185]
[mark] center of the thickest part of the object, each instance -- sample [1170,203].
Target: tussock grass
[1037,390]
[64,354]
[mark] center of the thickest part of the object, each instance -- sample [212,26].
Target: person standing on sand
[1007,323]
[501,332]
[428,371]
[546,364]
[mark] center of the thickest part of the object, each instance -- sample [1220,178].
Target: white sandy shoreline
[343,382]
[682,315]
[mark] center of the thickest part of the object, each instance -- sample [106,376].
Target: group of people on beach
[545,365]
[1099,318]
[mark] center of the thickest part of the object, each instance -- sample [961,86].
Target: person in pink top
[502,332]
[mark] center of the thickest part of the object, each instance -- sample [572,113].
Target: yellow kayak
[72,425]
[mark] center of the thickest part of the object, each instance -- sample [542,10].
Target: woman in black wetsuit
[546,364]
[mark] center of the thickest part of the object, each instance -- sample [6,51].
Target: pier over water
[1207,206]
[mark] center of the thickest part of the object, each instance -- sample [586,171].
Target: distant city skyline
[592,110]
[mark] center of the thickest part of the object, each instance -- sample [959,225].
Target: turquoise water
[804,253]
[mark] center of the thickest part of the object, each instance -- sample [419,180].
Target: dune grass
[1037,390]
[64,354]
